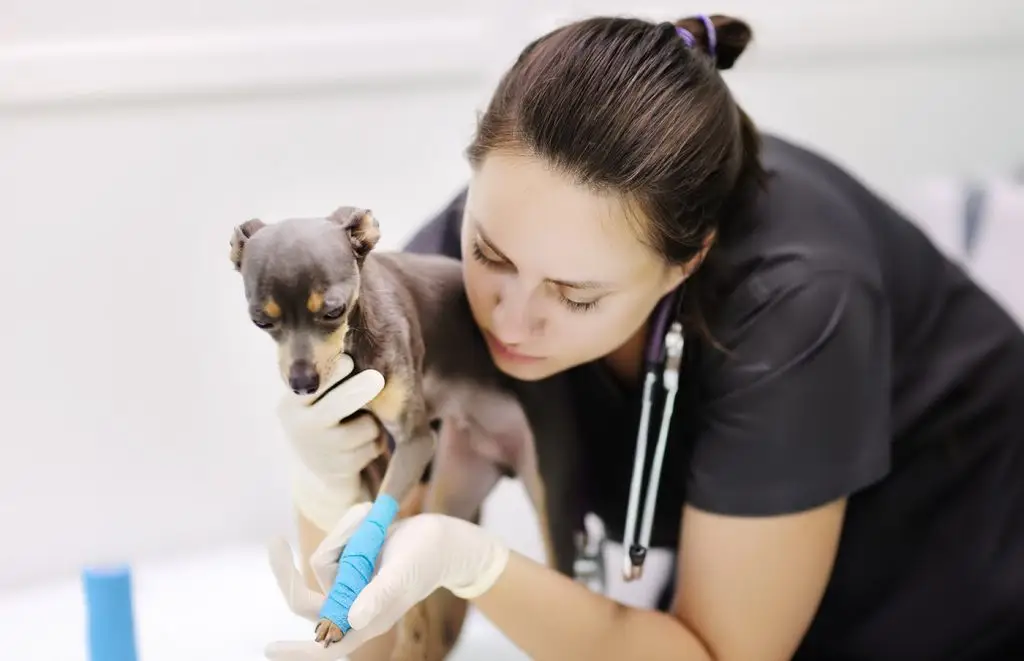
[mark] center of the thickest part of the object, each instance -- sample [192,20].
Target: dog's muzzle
[303,378]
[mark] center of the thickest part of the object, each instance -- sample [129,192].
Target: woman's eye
[334,313]
[478,255]
[579,306]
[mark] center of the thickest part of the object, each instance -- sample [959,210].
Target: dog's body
[447,363]
[407,316]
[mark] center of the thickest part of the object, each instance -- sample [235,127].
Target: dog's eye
[334,313]
[260,323]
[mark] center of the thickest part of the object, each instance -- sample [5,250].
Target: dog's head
[301,279]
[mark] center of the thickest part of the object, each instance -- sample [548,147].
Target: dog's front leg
[408,462]
[401,406]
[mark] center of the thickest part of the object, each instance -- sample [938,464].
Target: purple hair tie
[686,35]
[709,27]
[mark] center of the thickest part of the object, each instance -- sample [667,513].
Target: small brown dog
[318,289]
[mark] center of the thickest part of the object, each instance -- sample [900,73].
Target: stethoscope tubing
[664,351]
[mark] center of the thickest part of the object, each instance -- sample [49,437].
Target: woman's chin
[523,371]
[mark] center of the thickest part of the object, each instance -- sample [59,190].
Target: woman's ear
[675,275]
[696,262]
[678,273]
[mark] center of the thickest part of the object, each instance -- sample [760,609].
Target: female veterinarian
[844,474]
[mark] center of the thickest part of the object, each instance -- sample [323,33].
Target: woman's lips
[503,351]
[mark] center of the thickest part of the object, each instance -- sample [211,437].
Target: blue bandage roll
[110,614]
[355,568]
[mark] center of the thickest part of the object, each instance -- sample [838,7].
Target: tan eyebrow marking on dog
[315,302]
[272,309]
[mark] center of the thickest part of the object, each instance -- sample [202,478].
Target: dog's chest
[498,425]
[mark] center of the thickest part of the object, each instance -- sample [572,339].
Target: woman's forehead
[545,222]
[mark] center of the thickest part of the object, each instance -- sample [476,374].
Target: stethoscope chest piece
[633,565]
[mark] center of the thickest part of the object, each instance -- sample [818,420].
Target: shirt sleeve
[797,408]
[440,235]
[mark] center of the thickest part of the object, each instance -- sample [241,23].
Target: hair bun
[730,38]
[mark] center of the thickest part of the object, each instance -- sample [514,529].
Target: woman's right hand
[331,452]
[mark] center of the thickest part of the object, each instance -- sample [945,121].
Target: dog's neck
[362,342]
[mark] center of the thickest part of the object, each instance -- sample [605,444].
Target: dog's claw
[327,632]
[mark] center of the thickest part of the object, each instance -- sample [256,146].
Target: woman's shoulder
[810,218]
[794,399]
[814,260]
[440,234]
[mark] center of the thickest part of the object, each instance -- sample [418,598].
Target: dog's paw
[327,632]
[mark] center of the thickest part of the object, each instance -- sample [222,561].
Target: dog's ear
[361,227]
[239,236]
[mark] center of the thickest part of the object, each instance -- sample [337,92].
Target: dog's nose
[303,378]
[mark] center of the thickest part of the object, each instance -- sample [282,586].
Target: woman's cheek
[481,287]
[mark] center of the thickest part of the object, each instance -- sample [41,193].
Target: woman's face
[555,273]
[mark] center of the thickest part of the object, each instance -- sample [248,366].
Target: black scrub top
[860,363]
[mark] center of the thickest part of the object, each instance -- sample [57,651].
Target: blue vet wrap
[110,618]
[355,568]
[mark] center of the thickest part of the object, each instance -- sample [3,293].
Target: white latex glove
[331,453]
[421,554]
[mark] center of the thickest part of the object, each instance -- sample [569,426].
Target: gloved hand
[421,554]
[331,454]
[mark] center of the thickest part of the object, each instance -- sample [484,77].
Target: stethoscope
[664,354]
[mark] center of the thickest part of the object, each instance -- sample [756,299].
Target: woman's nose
[512,319]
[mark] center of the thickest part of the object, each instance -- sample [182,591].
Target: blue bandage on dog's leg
[355,568]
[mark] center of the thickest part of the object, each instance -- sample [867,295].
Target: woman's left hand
[420,554]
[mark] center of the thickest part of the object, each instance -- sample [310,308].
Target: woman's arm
[550,616]
[746,589]
[752,586]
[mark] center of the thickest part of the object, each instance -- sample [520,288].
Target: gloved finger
[301,600]
[293,650]
[346,399]
[339,455]
[342,451]
[388,595]
[341,368]
[324,560]
[357,433]
[383,621]
[306,650]
[360,457]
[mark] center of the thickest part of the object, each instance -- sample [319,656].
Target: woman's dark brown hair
[626,106]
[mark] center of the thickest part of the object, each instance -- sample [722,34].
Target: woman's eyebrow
[584,284]
[568,284]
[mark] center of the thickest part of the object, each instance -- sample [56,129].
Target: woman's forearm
[550,616]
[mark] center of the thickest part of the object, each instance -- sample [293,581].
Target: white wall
[136,398]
